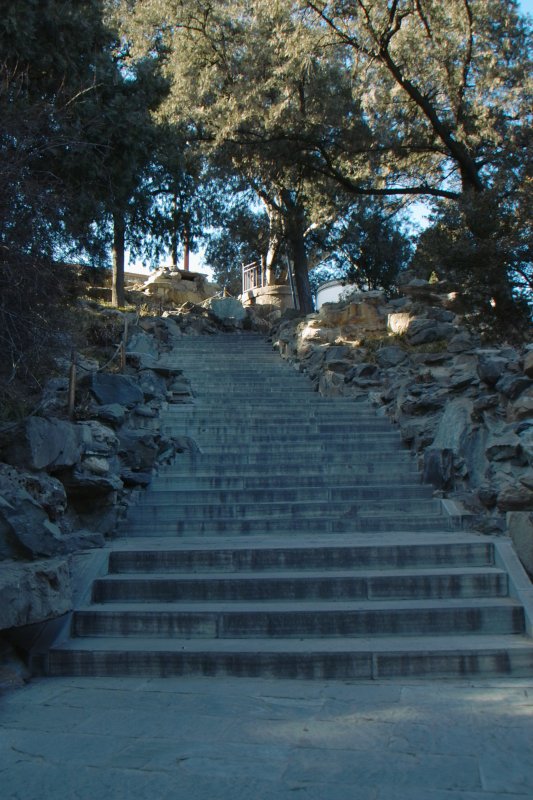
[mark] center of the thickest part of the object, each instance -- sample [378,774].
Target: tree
[234,76]
[368,247]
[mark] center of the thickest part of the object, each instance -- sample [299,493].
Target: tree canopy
[149,116]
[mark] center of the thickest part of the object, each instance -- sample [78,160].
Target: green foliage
[478,246]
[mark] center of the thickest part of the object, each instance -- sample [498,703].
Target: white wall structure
[329,292]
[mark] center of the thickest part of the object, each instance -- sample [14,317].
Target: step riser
[285,526]
[363,557]
[405,622]
[399,588]
[160,497]
[208,483]
[298,666]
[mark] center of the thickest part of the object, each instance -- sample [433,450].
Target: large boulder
[425,331]
[227,309]
[109,388]
[41,443]
[34,592]
[26,530]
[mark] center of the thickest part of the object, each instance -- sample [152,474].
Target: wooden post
[72,386]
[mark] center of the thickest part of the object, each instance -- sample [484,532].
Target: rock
[42,443]
[484,403]
[363,371]
[338,358]
[438,468]
[522,407]
[96,465]
[515,498]
[227,309]
[98,439]
[151,384]
[47,491]
[528,364]
[526,442]
[87,486]
[425,331]
[139,449]
[179,390]
[461,342]
[108,388]
[34,592]
[425,403]
[504,447]
[512,386]
[84,539]
[490,367]
[26,530]
[141,344]
[113,413]
[391,356]
[331,384]
[146,412]
[527,479]
[399,322]
[520,529]
[131,478]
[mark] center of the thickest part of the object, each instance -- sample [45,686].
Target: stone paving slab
[256,739]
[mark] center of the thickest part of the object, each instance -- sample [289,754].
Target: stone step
[341,658]
[309,619]
[245,440]
[308,553]
[289,526]
[314,509]
[311,464]
[186,496]
[179,481]
[298,585]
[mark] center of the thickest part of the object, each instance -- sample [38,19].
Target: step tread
[311,606]
[348,644]
[291,574]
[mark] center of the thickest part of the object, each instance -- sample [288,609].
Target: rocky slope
[466,407]
[64,483]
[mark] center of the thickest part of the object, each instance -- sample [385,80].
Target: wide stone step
[163,512]
[283,461]
[288,525]
[229,482]
[208,556]
[187,496]
[328,659]
[209,440]
[310,619]
[346,585]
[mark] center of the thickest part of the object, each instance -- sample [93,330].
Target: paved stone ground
[256,739]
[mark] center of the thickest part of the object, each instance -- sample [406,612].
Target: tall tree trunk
[186,244]
[295,226]
[174,235]
[117,281]
[274,242]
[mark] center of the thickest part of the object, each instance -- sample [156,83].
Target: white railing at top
[253,276]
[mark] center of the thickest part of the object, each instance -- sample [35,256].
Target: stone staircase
[296,541]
